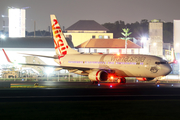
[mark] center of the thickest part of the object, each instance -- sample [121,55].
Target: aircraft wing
[55,66]
[54,57]
[43,65]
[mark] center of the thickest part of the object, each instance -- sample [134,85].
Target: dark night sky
[70,11]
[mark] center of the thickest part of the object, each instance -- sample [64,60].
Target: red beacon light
[111,77]
[175,61]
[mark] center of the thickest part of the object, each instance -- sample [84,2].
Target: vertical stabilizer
[60,43]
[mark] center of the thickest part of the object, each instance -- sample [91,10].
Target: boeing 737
[102,67]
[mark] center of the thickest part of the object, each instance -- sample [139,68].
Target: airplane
[103,67]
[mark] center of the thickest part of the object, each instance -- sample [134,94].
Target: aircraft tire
[157,82]
[119,80]
[95,82]
[123,80]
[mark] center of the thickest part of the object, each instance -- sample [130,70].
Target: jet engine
[98,75]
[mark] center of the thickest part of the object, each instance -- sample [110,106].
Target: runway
[67,91]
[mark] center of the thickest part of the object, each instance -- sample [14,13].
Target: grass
[92,110]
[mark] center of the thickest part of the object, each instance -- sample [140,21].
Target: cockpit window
[161,62]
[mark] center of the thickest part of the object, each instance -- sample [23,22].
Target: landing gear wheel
[95,82]
[157,82]
[121,80]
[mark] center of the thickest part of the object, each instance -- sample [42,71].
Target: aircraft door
[147,64]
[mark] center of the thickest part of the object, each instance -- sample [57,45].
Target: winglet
[6,56]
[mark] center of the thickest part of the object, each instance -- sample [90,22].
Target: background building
[176,69]
[84,30]
[177,36]
[156,37]
[17,22]
[108,46]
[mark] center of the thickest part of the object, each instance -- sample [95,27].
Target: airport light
[3,16]
[177,44]
[143,39]
[48,70]
[154,44]
[3,36]
[15,63]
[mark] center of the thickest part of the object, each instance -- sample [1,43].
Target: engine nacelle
[98,75]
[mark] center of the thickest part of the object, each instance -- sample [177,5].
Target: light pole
[144,45]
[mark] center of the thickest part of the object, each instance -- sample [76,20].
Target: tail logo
[59,45]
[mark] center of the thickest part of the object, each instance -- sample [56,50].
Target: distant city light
[3,36]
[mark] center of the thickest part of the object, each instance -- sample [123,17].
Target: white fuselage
[124,65]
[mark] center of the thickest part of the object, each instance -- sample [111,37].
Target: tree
[139,29]
[126,37]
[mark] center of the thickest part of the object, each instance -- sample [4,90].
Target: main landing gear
[121,80]
[95,82]
[157,82]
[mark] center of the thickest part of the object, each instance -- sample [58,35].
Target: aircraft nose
[167,69]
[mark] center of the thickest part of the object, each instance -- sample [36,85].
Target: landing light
[110,86]
[118,54]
